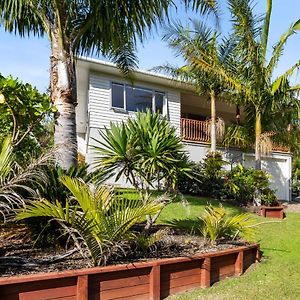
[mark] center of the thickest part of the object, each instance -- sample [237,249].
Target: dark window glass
[159,102]
[138,99]
[117,95]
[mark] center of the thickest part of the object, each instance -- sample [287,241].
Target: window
[136,98]
[159,102]
[118,95]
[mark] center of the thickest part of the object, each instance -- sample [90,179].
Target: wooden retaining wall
[153,280]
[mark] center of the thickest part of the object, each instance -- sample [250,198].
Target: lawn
[276,277]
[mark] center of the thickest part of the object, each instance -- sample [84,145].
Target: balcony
[198,131]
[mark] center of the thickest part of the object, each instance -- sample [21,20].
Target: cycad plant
[218,224]
[96,218]
[16,181]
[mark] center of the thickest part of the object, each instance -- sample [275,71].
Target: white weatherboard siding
[101,113]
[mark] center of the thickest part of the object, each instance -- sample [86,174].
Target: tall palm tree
[110,28]
[199,41]
[251,76]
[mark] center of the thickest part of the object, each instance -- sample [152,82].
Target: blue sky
[28,58]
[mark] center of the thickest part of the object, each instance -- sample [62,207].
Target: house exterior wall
[94,113]
[101,112]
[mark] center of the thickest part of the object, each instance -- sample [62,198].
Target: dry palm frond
[265,144]
[16,180]
[220,128]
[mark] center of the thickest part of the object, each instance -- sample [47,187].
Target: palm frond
[16,181]
[278,49]
[100,221]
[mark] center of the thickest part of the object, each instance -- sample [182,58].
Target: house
[104,96]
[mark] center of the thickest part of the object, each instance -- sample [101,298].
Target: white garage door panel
[278,168]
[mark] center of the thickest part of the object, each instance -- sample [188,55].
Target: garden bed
[153,279]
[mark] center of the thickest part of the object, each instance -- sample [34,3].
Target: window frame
[152,90]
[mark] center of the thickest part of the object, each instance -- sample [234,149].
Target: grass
[276,277]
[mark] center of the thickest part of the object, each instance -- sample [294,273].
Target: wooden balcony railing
[194,130]
[198,131]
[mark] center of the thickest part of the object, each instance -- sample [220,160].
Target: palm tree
[110,28]
[199,41]
[251,76]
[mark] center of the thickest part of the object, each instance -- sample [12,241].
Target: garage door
[279,169]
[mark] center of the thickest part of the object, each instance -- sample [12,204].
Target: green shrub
[219,224]
[208,178]
[192,185]
[268,197]
[146,150]
[244,184]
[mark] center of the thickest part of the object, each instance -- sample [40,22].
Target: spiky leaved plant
[98,220]
[218,223]
[15,181]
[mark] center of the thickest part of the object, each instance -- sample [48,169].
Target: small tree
[200,41]
[25,115]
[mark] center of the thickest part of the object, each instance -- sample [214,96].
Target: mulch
[18,256]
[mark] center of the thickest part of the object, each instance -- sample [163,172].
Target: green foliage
[97,220]
[26,116]
[146,150]
[192,185]
[219,224]
[54,189]
[213,181]
[268,197]
[240,184]
[208,177]
[15,181]
[146,241]
[244,184]
[43,230]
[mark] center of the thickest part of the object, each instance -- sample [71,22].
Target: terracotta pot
[272,212]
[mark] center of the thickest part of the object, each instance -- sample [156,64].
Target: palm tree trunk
[213,137]
[63,95]
[257,140]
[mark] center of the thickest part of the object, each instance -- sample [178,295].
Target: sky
[28,58]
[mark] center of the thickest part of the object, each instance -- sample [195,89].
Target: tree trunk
[257,140]
[213,136]
[63,96]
